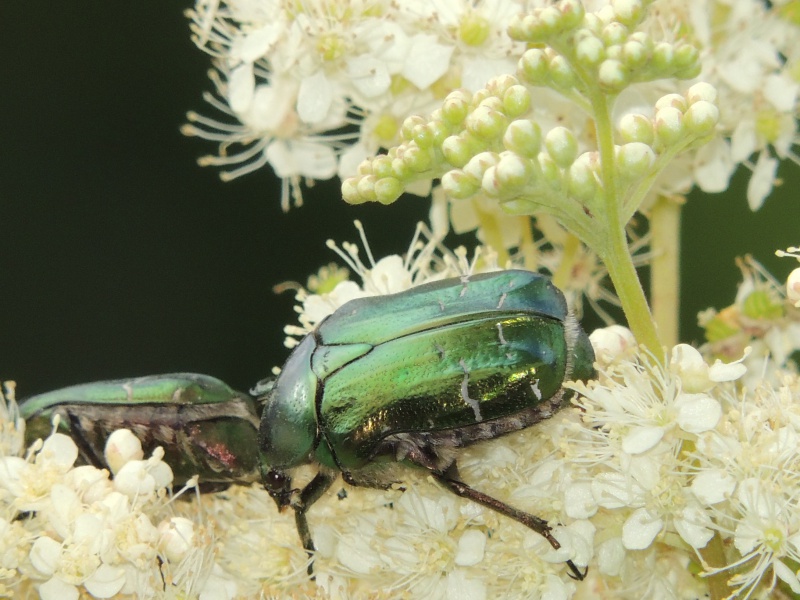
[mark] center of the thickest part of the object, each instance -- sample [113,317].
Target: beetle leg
[78,435]
[448,478]
[310,494]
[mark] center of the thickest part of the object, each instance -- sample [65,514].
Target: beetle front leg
[310,494]
[449,479]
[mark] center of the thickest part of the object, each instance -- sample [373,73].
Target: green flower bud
[634,160]
[636,128]
[589,51]
[407,129]
[366,188]
[381,167]
[516,101]
[350,191]
[533,67]
[561,73]
[582,181]
[669,125]
[489,183]
[614,34]
[457,151]
[456,107]
[387,190]
[416,159]
[634,55]
[572,13]
[612,75]
[486,123]
[478,164]
[400,170]
[512,172]
[672,101]
[562,146]
[701,118]
[661,61]
[498,85]
[628,12]
[459,185]
[551,174]
[524,137]
[701,91]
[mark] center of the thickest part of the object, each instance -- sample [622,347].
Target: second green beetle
[411,377]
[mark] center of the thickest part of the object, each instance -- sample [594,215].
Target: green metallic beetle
[410,377]
[204,426]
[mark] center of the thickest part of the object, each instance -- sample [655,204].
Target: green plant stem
[614,250]
[665,221]
[714,556]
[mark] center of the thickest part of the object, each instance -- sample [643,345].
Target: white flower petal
[711,487]
[786,574]
[368,75]
[427,60]
[122,446]
[693,527]
[691,367]
[461,587]
[579,503]
[697,412]
[611,342]
[641,439]
[307,159]
[58,449]
[45,554]
[471,548]
[615,490]
[762,180]
[56,589]
[106,581]
[641,528]
[611,556]
[314,98]
[241,87]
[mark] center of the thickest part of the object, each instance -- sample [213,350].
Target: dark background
[121,257]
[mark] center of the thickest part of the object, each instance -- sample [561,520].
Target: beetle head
[279,485]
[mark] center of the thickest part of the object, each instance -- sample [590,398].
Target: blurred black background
[121,257]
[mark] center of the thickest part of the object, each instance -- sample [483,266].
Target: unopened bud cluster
[486,143]
[602,49]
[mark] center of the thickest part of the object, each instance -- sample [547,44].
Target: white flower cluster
[764,317]
[68,530]
[295,78]
[312,88]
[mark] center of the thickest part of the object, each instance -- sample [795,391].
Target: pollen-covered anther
[635,159]
[523,137]
[562,146]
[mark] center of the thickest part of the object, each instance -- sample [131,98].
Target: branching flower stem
[612,247]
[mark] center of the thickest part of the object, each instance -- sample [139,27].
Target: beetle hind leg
[310,494]
[449,479]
